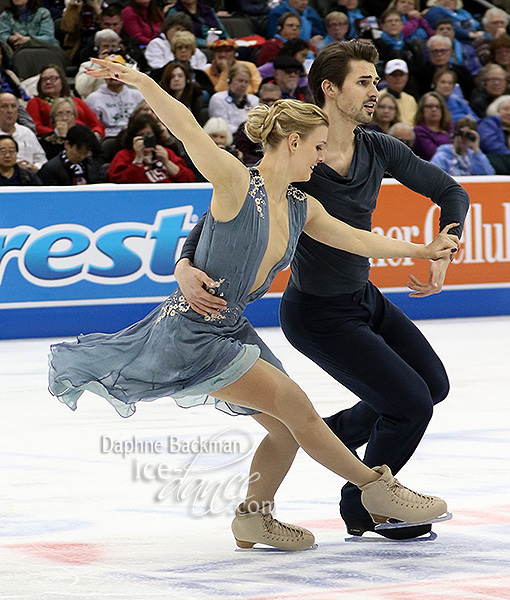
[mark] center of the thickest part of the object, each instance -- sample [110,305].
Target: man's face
[225,53]
[446,29]
[393,24]
[357,99]
[269,98]
[337,28]
[8,155]
[107,47]
[397,80]
[76,154]
[291,28]
[439,53]
[495,82]
[286,80]
[114,23]
[239,83]
[8,111]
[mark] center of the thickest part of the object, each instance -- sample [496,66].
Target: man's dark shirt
[20,177]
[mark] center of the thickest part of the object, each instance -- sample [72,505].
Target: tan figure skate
[250,528]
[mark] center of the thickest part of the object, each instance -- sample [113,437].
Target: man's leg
[346,339]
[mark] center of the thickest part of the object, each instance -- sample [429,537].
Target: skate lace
[409,496]
[282,530]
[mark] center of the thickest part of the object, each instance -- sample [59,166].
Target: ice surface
[76,523]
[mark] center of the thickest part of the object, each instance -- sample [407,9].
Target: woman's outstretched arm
[321,226]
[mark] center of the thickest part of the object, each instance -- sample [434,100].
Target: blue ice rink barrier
[98,258]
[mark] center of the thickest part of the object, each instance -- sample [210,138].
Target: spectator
[144,159]
[74,165]
[10,172]
[63,115]
[111,18]
[416,28]
[386,113]
[53,84]
[287,73]
[298,49]
[396,73]
[440,53]
[444,83]
[491,84]
[176,80]
[404,133]
[463,156]
[223,60]
[337,27]
[106,42]
[23,22]
[159,52]
[289,28]
[494,23]
[494,129]
[433,125]
[219,131]
[269,93]
[142,20]
[358,25]
[312,29]
[391,43]
[184,46]
[462,53]
[113,102]
[466,27]
[233,104]
[203,17]
[500,52]
[9,81]
[79,24]
[31,156]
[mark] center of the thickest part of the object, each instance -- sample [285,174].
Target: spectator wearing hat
[287,72]
[396,74]
[224,59]
[288,28]
[234,104]
[312,29]
[74,165]
[113,102]
[10,172]
[463,156]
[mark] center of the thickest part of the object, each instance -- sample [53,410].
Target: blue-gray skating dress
[174,351]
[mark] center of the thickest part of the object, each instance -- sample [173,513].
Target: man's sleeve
[428,180]
[190,245]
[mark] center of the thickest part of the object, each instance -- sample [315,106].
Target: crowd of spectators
[444,69]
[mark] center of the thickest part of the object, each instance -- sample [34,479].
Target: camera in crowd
[469,135]
[150,141]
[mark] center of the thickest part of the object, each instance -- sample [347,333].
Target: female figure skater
[251,232]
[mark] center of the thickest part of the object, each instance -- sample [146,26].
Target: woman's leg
[268,390]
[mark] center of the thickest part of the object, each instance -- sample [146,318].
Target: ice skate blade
[398,524]
[378,539]
[271,549]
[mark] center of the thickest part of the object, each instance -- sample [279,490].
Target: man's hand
[191,282]
[434,285]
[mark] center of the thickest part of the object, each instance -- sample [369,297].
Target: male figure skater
[330,311]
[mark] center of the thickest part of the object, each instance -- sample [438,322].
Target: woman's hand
[139,148]
[112,70]
[444,245]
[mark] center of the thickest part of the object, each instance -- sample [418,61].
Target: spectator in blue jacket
[495,128]
[467,28]
[444,82]
[312,29]
[463,156]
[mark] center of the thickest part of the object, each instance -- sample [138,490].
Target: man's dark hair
[113,10]
[292,47]
[334,63]
[81,136]
[178,18]
[5,136]
[443,21]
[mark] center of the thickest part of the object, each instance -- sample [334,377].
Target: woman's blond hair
[269,125]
